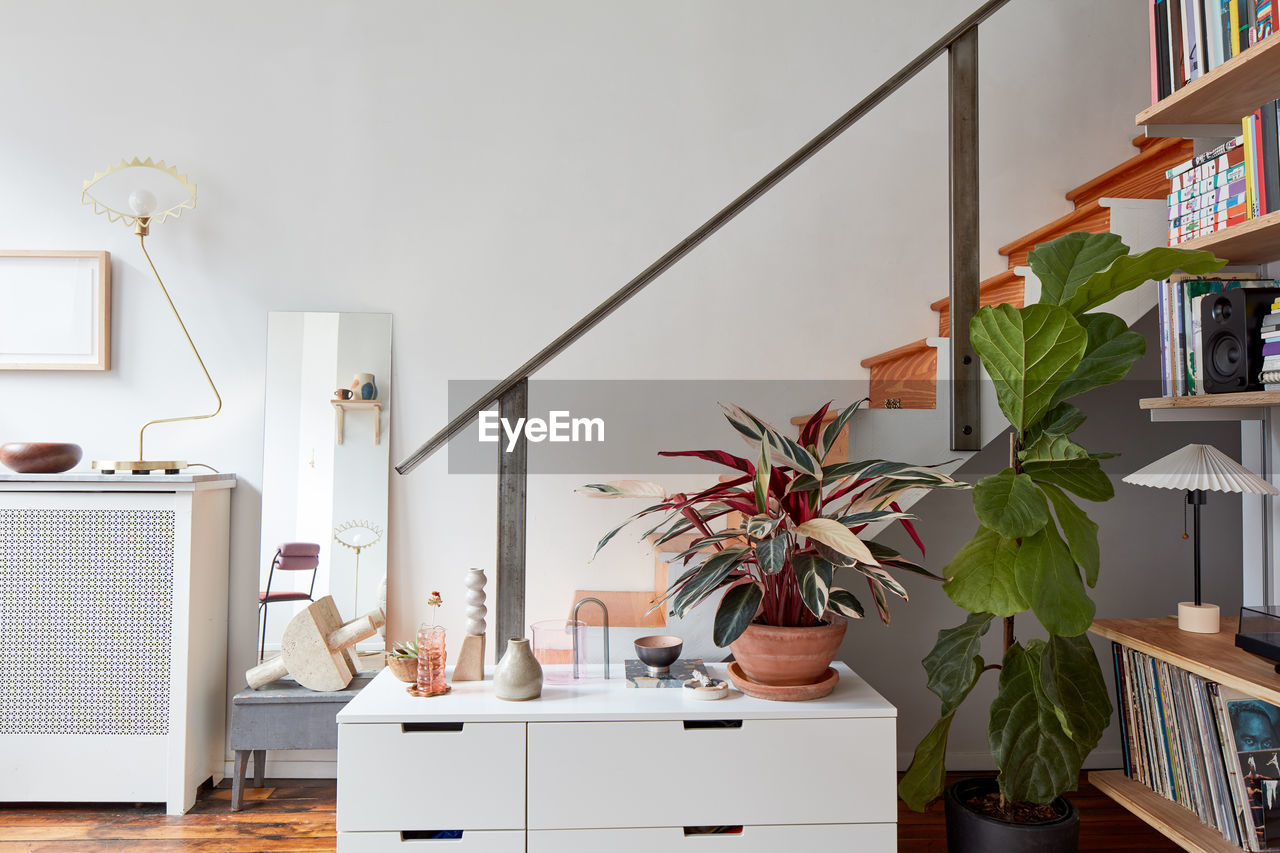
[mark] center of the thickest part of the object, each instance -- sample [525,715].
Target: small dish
[709,692]
[658,652]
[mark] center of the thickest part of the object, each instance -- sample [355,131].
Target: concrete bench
[283,715]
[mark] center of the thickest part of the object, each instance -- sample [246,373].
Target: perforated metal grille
[86,598]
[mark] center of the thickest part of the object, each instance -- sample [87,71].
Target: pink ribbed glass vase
[431,660]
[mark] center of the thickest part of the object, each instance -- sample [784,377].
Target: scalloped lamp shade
[1200,466]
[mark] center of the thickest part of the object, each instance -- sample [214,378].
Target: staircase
[906,377]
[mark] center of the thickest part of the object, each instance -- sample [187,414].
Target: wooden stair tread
[1143,141]
[1141,176]
[912,348]
[1002,287]
[1087,217]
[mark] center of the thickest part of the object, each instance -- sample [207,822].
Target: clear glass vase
[431,656]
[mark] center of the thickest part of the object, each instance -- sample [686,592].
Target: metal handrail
[711,226]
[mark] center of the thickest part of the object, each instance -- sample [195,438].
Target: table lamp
[1199,468]
[140,194]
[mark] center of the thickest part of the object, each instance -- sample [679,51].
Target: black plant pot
[970,832]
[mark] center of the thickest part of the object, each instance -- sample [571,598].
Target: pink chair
[290,557]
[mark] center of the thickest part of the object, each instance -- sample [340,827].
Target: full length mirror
[325,466]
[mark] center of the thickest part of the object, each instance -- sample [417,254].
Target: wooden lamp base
[1198,618]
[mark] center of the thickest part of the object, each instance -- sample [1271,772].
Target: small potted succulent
[1035,551]
[783,614]
[402,660]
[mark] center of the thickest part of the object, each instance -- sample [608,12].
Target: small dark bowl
[658,652]
[40,457]
[341,394]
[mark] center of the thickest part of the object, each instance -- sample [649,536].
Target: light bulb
[142,202]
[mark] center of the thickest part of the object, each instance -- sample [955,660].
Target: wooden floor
[298,815]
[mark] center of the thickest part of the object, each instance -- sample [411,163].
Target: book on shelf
[1210,748]
[1190,38]
[1181,339]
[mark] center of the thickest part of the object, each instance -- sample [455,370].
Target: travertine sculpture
[470,666]
[315,649]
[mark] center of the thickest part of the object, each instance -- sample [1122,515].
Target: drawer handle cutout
[713,830]
[430,834]
[408,728]
[712,724]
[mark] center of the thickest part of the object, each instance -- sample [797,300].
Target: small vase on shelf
[431,659]
[518,676]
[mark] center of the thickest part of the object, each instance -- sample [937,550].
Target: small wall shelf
[1234,89]
[341,407]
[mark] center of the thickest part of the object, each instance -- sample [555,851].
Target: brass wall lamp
[140,194]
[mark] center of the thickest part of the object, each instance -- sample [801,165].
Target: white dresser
[603,767]
[113,636]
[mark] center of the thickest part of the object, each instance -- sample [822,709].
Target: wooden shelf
[341,407]
[1244,400]
[1178,824]
[1226,94]
[1254,241]
[1212,656]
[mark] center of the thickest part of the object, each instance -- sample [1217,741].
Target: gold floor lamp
[143,193]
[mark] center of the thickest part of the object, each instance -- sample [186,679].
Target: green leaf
[813,575]
[955,662]
[1081,532]
[1049,580]
[887,556]
[835,535]
[1010,504]
[845,603]
[760,526]
[614,532]
[1062,419]
[771,554]
[981,576]
[710,576]
[927,776]
[761,481]
[1081,476]
[1063,264]
[1028,352]
[1038,761]
[1111,351]
[1052,448]
[737,609]
[1129,271]
[832,430]
[1073,682]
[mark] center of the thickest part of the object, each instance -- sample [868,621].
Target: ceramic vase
[431,655]
[519,675]
[365,387]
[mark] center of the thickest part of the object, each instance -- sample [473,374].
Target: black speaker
[1230,334]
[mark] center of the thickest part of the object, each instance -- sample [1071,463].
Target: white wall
[488,171]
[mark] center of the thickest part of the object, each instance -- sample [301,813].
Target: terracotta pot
[405,669]
[787,656]
[40,457]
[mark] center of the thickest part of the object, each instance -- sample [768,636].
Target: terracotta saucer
[787,693]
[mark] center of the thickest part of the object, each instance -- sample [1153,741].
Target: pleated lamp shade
[1200,466]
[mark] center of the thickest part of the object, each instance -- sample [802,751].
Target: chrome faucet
[605,611]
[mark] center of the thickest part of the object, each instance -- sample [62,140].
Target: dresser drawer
[430,776]
[669,773]
[864,838]
[394,842]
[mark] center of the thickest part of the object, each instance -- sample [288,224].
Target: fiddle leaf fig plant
[1036,549]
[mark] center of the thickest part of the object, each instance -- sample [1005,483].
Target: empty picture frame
[55,310]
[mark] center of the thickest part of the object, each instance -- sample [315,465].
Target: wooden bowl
[405,669]
[39,457]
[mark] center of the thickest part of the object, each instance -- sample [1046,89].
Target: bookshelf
[1236,87]
[1254,241]
[1244,400]
[1212,656]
